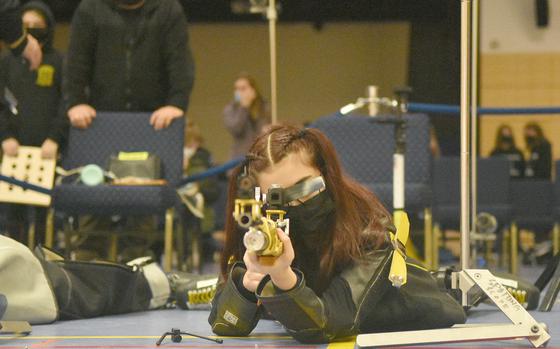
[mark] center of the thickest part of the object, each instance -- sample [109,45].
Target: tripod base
[523,324]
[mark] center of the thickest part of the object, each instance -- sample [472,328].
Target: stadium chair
[109,134]
[533,205]
[493,190]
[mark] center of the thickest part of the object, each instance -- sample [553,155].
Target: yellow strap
[398,274]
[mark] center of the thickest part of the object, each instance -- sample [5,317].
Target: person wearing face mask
[20,42]
[505,146]
[128,55]
[539,162]
[33,116]
[331,280]
[246,116]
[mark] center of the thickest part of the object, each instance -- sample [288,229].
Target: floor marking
[142,337]
[342,345]
[168,345]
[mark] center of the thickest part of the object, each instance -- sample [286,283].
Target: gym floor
[142,330]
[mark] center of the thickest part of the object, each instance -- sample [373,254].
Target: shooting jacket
[361,299]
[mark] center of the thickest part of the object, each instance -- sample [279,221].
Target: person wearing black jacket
[331,280]
[539,163]
[37,119]
[13,32]
[505,146]
[128,55]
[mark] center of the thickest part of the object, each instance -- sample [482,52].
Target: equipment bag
[138,165]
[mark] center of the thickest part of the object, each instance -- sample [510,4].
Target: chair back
[113,132]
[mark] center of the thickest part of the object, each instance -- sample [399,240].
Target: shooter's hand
[251,279]
[280,271]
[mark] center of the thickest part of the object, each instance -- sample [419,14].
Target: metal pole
[466,11]
[272,18]
[474,116]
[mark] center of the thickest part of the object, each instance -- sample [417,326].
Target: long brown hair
[540,138]
[257,108]
[360,218]
[500,136]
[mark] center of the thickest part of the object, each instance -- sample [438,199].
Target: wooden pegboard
[28,166]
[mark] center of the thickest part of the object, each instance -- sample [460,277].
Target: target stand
[30,167]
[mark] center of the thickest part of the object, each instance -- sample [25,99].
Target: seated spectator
[199,196]
[505,146]
[539,163]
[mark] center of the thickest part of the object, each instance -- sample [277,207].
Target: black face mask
[41,34]
[507,139]
[312,216]
[531,140]
[506,142]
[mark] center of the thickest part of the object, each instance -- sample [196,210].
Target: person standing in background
[12,31]
[128,55]
[505,146]
[38,119]
[539,162]
[246,116]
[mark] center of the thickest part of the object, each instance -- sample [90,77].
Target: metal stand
[272,16]
[177,336]
[400,106]
[524,326]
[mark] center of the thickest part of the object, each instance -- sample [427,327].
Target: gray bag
[24,284]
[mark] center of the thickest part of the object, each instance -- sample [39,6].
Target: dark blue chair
[109,134]
[493,193]
[493,190]
[533,204]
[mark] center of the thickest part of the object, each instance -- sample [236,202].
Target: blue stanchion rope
[212,171]
[412,107]
[454,109]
